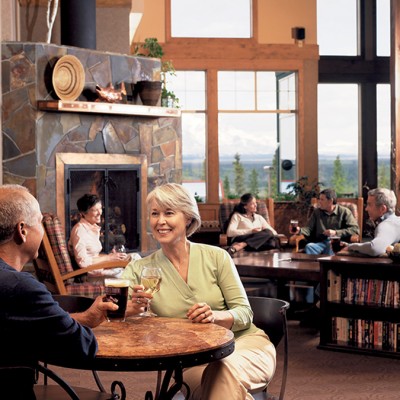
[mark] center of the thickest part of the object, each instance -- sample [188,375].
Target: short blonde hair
[176,197]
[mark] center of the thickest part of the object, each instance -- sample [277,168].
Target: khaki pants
[249,367]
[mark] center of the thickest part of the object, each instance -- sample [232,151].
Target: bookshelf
[360,305]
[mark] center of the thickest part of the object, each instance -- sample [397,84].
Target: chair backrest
[270,316]
[54,260]
[54,267]
[264,208]
[356,205]
[73,304]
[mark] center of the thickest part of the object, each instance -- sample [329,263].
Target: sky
[337,106]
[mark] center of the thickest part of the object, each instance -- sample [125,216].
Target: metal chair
[75,304]
[16,383]
[270,315]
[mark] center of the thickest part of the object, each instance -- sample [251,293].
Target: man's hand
[96,314]
[329,232]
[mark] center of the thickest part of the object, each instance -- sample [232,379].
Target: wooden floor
[313,374]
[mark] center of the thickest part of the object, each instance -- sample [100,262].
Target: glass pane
[337,27]
[383,134]
[383,28]
[287,90]
[210,18]
[287,150]
[236,90]
[253,139]
[190,88]
[266,90]
[193,153]
[120,220]
[338,137]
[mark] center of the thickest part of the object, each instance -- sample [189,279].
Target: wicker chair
[54,268]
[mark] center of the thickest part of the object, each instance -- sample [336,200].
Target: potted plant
[152,48]
[304,191]
[296,204]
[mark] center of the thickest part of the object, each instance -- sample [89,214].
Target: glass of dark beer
[117,292]
[335,243]
[293,225]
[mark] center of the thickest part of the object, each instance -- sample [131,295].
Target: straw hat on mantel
[68,78]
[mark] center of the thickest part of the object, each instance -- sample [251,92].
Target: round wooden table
[148,344]
[159,344]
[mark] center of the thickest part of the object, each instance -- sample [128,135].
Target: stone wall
[31,137]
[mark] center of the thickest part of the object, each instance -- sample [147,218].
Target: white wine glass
[150,278]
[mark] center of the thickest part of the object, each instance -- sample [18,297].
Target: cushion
[87,289]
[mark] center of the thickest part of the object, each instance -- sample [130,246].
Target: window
[337,27]
[383,134]
[256,112]
[211,19]
[189,87]
[338,137]
[383,28]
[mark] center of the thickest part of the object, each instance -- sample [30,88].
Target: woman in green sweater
[200,282]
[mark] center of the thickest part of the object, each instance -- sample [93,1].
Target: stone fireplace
[41,134]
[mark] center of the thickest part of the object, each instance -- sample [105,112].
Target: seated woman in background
[201,283]
[84,243]
[248,229]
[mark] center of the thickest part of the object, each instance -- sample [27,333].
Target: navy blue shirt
[34,327]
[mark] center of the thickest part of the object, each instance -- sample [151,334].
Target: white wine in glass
[150,278]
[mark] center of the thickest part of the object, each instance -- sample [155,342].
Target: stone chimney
[78,23]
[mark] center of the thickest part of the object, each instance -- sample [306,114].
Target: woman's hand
[116,256]
[139,300]
[256,230]
[201,312]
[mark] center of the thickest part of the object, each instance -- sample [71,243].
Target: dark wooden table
[159,344]
[282,267]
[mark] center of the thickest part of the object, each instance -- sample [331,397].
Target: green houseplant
[152,48]
[304,191]
[296,204]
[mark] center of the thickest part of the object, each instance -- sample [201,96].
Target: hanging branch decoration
[52,7]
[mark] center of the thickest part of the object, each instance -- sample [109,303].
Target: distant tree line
[239,177]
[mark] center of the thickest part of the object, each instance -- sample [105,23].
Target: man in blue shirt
[32,325]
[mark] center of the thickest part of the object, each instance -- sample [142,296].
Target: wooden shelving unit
[359,296]
[107,108]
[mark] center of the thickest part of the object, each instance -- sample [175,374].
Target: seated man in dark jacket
[32,325]
[327,220]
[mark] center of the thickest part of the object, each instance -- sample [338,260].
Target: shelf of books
[360,306]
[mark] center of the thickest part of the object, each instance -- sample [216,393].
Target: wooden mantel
[107,108]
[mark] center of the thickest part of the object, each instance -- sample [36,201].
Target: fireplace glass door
[119,190]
